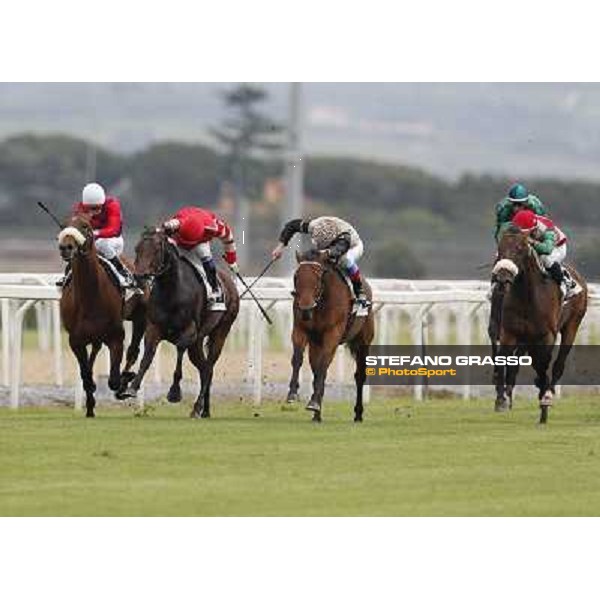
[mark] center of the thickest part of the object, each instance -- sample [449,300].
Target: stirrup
[216,302]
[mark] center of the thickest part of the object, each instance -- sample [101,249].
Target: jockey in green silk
[518,197]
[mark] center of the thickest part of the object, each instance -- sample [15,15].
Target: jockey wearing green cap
[518,197]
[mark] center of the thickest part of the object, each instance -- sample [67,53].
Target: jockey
[518,198]
[550,243]
[107,221]
[338,238]
[192,230]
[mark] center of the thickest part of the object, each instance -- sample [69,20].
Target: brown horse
[178,313]
[527,315]
[322,319]
[92,310]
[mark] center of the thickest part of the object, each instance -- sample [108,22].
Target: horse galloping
[526,317]
[323,320]
[177,312]
[92,309]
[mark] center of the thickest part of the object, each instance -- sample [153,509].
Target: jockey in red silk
[550,243]
[192,229]
[106,219]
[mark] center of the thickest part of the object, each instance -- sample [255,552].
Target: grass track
[437,458]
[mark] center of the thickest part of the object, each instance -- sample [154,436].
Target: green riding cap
[517,194]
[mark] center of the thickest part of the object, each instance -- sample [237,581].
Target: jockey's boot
[556,273]
[61,282]
[216,302]
[572,287]
[359,290]
[127,279]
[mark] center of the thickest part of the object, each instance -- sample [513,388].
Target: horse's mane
[311,255]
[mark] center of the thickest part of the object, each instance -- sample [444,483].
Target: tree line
[414,224]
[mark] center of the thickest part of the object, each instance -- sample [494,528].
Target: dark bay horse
[177,312]
[527,316]
[323,321]
[92,310]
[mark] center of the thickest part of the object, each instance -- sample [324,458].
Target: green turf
[436,458]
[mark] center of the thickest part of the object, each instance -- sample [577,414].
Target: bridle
[163,263]
[319,270]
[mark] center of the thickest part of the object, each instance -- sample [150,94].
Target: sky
[446,129]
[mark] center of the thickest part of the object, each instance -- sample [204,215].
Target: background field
[440,457]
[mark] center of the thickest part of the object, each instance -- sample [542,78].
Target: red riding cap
[525,220]
[190,232]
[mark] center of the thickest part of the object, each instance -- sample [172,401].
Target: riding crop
[267,267]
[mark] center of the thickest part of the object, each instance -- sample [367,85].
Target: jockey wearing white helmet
[106,220]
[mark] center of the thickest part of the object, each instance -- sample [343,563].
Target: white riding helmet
[93,195]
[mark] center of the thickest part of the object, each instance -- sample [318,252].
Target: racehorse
[323,320]
[177,312]
[92,310]
[527,315]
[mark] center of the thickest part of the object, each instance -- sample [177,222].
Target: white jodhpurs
[110,247]
[349,260]
[198,253]
[557,255]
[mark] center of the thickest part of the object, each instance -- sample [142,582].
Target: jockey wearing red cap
[550,243]
[192,229]
[104,213]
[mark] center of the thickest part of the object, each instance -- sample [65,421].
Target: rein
[319,270]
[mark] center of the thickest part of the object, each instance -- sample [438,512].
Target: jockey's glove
[234,267]
[171,225]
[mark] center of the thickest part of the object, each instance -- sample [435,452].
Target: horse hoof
[501,407]
[316,417]
[90,415]
[127,393]
[546,399]
[195,415]
[114,386]
[292,397]
[544,415]
[174,396]
[358,419]
[205,415]
[313,405]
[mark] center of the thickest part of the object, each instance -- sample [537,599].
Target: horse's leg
[115,348]
[80,352]
[174,394]
[299,343]
[511,378]
[133,351]
[542,355]
[506,348]
[359,347]
[216,340]
[196,355]
[151,341]
[567,337]
[93,354]
[320,357]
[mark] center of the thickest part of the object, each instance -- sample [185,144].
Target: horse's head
[152,253]
[514,252]
[308,281]
[77,238]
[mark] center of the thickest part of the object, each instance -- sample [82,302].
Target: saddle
[200,273]
[568,278]
[357,310]
[110,270]
[353,324]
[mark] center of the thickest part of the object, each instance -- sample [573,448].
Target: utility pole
[294,200]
